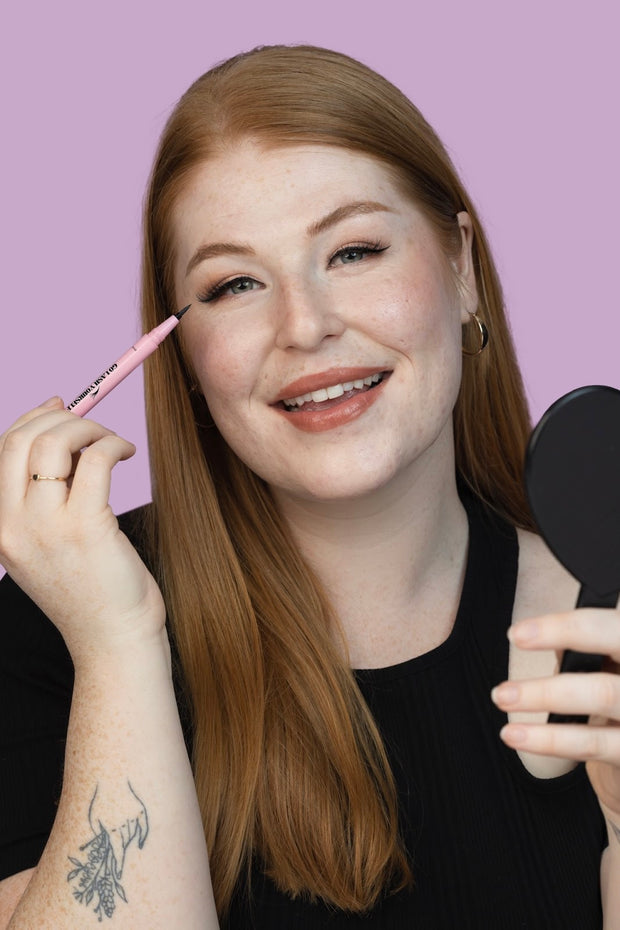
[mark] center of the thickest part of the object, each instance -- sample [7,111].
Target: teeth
[332,391]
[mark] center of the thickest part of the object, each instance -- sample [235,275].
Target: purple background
[525,96]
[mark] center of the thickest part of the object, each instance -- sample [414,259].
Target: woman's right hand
[60,541]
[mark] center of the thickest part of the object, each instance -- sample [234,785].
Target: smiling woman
[339,540]
[329,288]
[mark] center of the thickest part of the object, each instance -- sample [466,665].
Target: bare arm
[127,844]
[11,890]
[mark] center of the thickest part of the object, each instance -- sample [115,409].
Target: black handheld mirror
[572,479]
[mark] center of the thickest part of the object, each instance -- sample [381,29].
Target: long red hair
[288,763]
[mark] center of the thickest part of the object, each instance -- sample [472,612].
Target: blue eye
[234,287]
[240,285]
[352,254]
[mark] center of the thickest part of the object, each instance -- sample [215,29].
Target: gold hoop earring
[483,335]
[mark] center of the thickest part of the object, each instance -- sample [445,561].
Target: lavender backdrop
[524,95]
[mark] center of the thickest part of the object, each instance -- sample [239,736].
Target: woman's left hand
[593,694]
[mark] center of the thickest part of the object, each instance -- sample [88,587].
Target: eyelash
[218,290]
[213,294]
[365,248]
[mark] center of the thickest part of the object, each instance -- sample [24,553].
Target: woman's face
[325,330]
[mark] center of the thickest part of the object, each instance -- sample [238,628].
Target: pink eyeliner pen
[123,366]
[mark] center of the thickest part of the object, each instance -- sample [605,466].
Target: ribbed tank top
[492,847]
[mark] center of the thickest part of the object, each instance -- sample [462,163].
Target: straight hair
[289,766]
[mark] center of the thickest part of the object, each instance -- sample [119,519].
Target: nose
[306,316]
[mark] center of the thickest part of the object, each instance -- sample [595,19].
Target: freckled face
[325,330]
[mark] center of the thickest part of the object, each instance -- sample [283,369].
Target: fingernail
[505,694]
[513,734]
[524,632]
[52,402]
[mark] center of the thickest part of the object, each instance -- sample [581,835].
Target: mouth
[325,397]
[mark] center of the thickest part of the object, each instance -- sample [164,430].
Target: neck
[392,563]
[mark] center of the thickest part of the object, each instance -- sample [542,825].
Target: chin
[348,485]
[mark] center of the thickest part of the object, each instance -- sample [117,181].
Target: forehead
[250,187]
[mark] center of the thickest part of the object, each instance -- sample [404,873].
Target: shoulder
[135,520]
[135,525]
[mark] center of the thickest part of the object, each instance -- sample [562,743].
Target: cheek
[421,317]
[422,322]
[224,360]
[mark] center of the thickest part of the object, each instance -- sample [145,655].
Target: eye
[352,254]
[232,288]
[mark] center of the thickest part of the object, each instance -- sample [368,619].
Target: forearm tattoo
[615,829]
[97,879]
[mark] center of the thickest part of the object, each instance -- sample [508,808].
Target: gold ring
[38,477]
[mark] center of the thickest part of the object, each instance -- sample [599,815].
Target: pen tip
[181,312]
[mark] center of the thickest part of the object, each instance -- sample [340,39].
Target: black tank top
[492,847]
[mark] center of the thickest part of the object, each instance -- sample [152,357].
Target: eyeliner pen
[123,366]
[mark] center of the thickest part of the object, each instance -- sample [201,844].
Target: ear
[464,267]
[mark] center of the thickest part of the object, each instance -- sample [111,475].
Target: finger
[54,403]
[90,487]
[42,445]
[56,448]
[565,741]
[596,693]
[585,630]
[51,404]
[16,441]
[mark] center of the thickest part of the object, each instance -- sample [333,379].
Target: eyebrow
[357,208]
[217,248]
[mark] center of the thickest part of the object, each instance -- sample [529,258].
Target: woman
[336,463]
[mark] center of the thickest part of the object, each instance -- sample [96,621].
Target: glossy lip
[324,379]
[340,411]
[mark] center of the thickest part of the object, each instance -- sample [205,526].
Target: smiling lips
[322,402]
[333,391]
